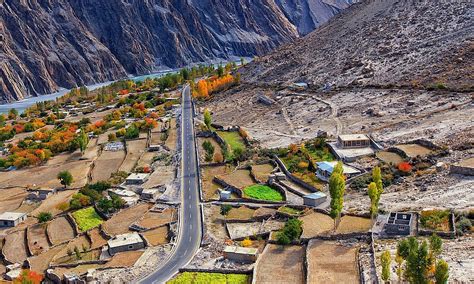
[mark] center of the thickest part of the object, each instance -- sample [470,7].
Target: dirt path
[334,111]
[284,111]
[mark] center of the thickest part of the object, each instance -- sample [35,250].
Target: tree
[385,259]
[441,272]
[44,217]
[220,71]
[207,119]
[436,246]
[28,277]
[218,158]
[225,208]
[377,178]
[83,140]
[418,263]
[65,178]
[132,132]
[77,252]
[337,186]
[375,190]
[12,113]
[246,243]
[290,232]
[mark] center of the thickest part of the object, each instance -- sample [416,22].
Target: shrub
[291,231]
[44,217]
[435,219]
[225,208]
[246,243]
[218,158]
[404,167]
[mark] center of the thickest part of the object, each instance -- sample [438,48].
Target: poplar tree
[337,187]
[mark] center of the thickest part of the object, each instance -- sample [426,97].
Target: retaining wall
[292,178]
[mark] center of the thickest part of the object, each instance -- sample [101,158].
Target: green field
[234,140]
[263,192]
[289,210]
[214,278]
[87,218]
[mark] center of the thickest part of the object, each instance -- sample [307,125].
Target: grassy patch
[310,178]
[289,210]
[263,192]
[437,220]
[215,278]
[87,219]
[234,141]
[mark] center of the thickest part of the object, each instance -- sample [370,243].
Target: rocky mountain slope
[45,45]
[381,43]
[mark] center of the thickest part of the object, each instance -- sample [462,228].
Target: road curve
[190,234]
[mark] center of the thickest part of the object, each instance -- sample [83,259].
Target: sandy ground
[41,262]
[51,204]
[240,213]
[209,188]
[261,172]
[172,136]
[155,219]
[59,231]
[330,262]
[96,238]
[11,198]
[213,222]
[239,231]
[317,224]
[135,150]
[161,176]
[146,159]
[239,178]
[281,264]
[124,259]
[76,242]
[120,222]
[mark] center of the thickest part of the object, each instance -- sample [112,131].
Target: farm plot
[263,192]
[389,157]
[353,224]
[436,220]
[97,240]
[158,236]
[240,231]
[330,262]
[161,175]
[240,213]
[262,172]
[206,277]
[51,204]
[41,262]
[281,264]
[156,138]
[87,219]
[92,149]
[154,219]
[209,187]
[234,141]
[239,178]
[316,224]
[11,198]
[120,222]
[46,176]
[37,238]
[146,159]
[77,270]
[14,248]
[172,136]
[202,152]
[80,242]
[108,163]
[214,222]
[135,149]
[124,259]
[414,150]
[60,230]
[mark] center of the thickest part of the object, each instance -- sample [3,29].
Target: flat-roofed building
[314,199]
[240,254]
[353,141]
[125,242]
[11,219]
[137,178]
[325,170]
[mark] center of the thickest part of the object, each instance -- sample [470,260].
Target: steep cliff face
[307,15]
[45,45]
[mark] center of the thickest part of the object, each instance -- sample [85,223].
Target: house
[353,141]
[325,170]
[11,219]
[136,179]
[225,194]
[240,254]
[40,194]
[398,224]
[130,197]
[125,242]
[150,193]
[314,199]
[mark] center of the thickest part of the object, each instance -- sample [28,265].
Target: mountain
[380,43]
[45,45]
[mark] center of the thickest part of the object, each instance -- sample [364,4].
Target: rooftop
[11,216]
[315,195]
[125,239]
[329,167]
[353,137]
[137,176]
[241,250]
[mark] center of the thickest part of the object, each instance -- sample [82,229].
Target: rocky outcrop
[381,43]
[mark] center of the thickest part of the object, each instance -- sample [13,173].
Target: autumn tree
[441,272]
[202,89]
[218,158]
[28,277]
[207,119]
[337,186]
[385,260]
[65,178]
[12,113]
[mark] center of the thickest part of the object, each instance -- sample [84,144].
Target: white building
[125,242]
[11,219]
[137,178]
[150,193]
[314,199]
[325,170]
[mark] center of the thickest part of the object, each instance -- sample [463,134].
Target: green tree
[65,178]
[418,263]
[337,187]
[436,246]
[220,71]
[375,190]
[225,208]
[207,119]
[132,132]
[12,113]
[83,140]
[77,252]
[441,272]
[377,178]
[44,217]
[290,232]
[385,259]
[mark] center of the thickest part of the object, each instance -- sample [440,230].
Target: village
[105,206]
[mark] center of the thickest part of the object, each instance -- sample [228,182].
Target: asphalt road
[189,235]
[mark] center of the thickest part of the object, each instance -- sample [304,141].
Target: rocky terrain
[380,43]
[45,45]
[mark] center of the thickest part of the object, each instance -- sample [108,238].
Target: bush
[463,225]
[246,243]
[44,217]
[292,231]
[435,219]
[225,208]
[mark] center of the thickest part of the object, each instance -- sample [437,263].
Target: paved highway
[189,235]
